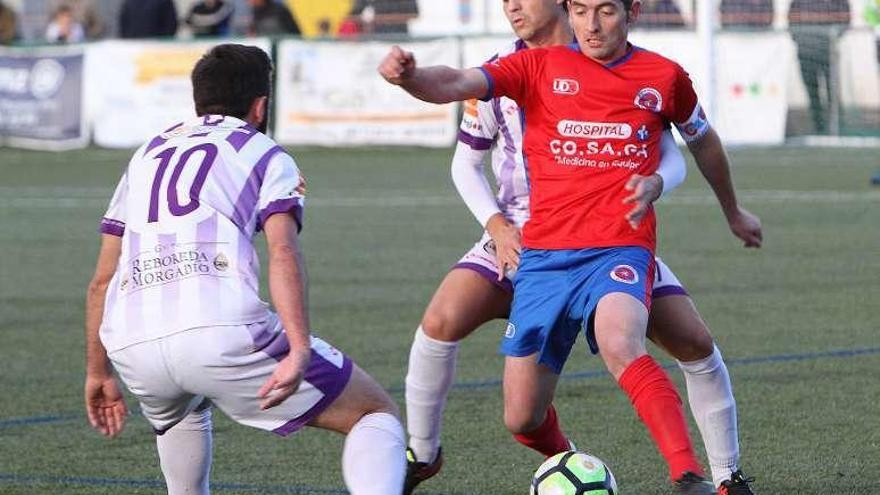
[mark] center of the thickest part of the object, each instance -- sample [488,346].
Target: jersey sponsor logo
[642,134]
[510,331]
[649,99]
[566,87]
[625,274]
[594,130]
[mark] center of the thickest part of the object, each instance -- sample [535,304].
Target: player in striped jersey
[474,293]
[174,303]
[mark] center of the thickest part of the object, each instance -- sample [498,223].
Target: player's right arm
[434,84]
[473,187]
[105,406]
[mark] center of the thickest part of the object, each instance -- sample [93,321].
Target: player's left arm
[714,164]
[105,405]
[711,157]
[281,201]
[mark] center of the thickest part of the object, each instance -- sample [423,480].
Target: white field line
[98,197]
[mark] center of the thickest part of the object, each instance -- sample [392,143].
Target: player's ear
[633,13]
[259,111]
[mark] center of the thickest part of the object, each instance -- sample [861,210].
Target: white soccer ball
[573,473]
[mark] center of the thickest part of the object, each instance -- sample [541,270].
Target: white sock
[374,456]
[711,399]
[185,454]
[430,376]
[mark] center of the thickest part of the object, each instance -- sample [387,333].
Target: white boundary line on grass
[94,197]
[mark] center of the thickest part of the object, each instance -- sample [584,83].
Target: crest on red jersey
[625,274]
[649,99]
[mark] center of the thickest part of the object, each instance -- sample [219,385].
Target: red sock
[547,439]
[657,402]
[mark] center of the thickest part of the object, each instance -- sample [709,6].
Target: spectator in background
[270,18]
[147,19]
[747,13]
[660,14]
[8,24]
[815,26]
[63,28]
[386,16]
[210,17]
[86,15]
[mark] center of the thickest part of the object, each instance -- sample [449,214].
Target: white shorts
[481,259]
[227,365]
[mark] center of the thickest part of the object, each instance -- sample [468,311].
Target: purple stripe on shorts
[327,378]
[200,134]
[250,194]
[112,227]
[488,274]
[475,142]
[669,290]
[240,137]
[286,205]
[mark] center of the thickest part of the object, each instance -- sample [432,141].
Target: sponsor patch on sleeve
[696,125]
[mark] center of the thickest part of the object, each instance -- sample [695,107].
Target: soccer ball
[573,473]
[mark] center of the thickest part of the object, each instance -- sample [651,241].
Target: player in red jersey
[594,112]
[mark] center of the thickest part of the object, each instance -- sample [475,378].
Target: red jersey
[588,128]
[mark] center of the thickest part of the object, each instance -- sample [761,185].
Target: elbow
[97,287]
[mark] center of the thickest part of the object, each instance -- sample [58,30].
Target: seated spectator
[63,28]
[660,14]
[85,13]
[210,17]
[148,19]
[747,13]
[270,18]
[8,24]
[386,16]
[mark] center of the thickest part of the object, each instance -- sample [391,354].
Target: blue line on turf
[301,489]
[582,375]
[159,484]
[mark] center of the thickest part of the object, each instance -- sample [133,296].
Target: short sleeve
[478,125]
[511,75]
[282,190]
[114,219]
[687,114]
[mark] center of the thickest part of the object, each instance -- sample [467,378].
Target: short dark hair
[627,4]
[228,79]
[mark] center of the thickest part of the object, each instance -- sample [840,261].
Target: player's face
[531,18]
[601,27]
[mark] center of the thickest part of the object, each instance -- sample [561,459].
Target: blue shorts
[556,292]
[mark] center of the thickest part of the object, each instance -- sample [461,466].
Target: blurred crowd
[74,21]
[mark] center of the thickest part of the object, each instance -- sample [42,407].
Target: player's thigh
[362,395]
[229,364]
[676,327]
[620,323]
[528,391]
[464,300]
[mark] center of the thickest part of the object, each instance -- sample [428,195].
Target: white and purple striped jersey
[497,125]
[187,210]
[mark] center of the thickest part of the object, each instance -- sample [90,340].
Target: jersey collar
[630,49]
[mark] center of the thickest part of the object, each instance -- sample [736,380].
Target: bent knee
[442,324]
[520,422]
